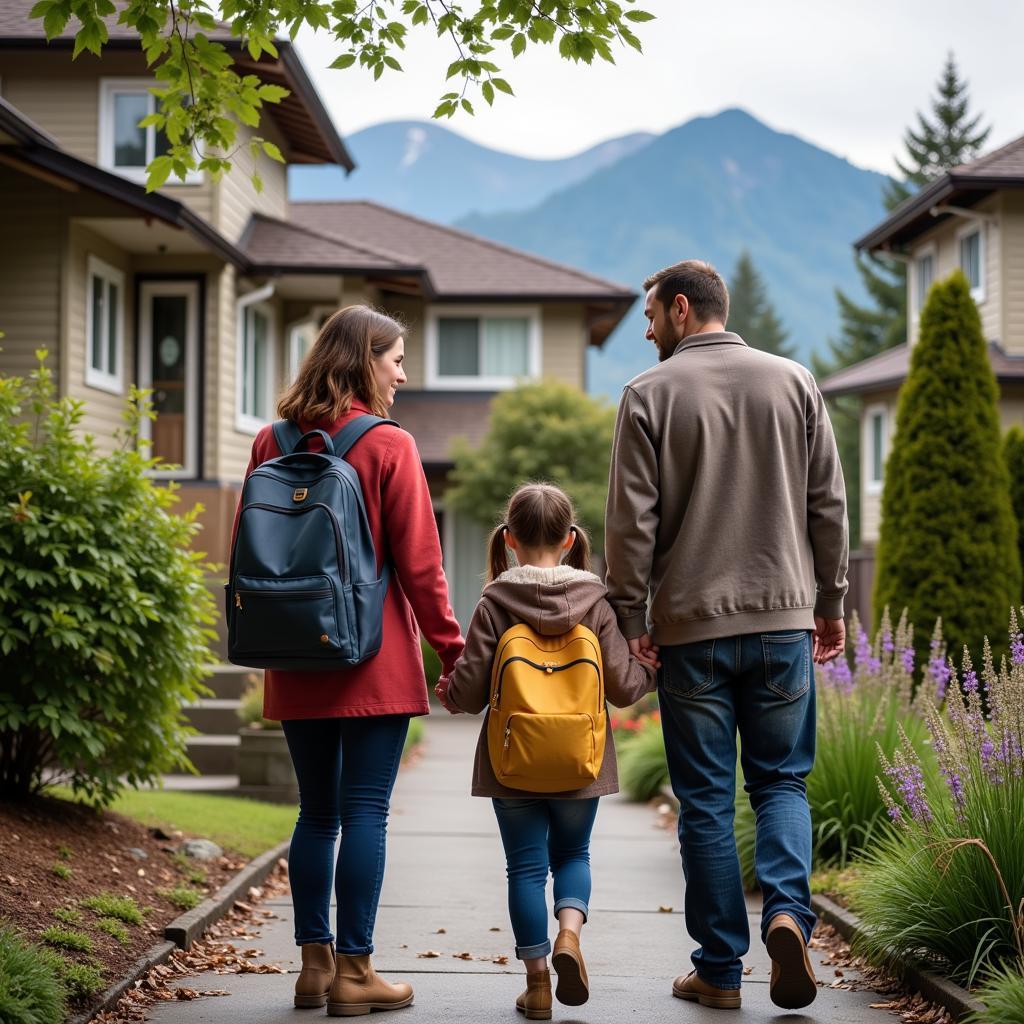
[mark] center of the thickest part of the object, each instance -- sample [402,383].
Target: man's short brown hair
[699,282]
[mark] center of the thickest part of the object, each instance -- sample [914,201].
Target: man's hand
[644,650]
[829,639]
[441,692]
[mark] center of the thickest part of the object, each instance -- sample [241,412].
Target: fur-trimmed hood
[551,601]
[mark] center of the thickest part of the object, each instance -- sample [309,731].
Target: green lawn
[247,826]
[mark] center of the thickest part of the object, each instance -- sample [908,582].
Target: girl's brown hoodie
[550,601]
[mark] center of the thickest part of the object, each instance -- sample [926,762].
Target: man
[726,528]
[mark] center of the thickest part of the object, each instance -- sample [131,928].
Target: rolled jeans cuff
[571,903]
[328,938]
[535,951]
[354,950]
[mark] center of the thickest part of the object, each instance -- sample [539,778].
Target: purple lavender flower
[887,642]
[970,681]
[862,650]
[909,782]
[907,657]
[938,670]
[1017,649]
[956,788]
[838,675]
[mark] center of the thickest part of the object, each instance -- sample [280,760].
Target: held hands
[644,650]
[829,639]
[441,692]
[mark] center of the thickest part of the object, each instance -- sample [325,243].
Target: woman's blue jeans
[760,685]
[539,835]
[346,768]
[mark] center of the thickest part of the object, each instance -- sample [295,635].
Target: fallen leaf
[463,956]
[441,931]
[499,960]
[428,955]
[495,929]
[748,970]
[664,910]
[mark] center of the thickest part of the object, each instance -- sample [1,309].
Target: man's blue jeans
[539,834]
[761,685]
[346,768]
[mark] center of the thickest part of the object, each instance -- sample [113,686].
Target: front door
[169,364]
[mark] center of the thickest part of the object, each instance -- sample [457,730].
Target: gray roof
[436,418]
[889,369]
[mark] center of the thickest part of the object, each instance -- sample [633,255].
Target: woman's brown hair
[538,516]
[339,367]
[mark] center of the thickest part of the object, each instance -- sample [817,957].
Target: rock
[138,854]
[201,849]
[158,833]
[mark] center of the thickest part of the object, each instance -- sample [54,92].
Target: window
[483,349]
[255,363]
[925,269]
[124,146]
[971,262]
[875,447]
[104,327]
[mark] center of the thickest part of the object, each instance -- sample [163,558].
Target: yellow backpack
[546,725]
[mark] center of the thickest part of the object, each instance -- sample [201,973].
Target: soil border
[184,930]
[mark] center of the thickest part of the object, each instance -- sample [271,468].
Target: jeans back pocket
[787,663]
[687,669]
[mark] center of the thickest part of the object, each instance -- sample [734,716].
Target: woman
[346,729]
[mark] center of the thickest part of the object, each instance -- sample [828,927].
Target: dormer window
[124,147]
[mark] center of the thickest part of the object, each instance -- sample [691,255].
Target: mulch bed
[38,837]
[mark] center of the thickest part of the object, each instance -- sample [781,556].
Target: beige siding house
[972,218]
[210,293]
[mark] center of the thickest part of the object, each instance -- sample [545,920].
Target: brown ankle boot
[535,1002]
[357,989]
[792,984]
[696,990]
[314,980]
[573,988]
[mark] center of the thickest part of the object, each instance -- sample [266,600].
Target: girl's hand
[441,692]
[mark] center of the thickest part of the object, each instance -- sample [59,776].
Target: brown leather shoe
[314,980]
[573,988]
[692,988]
[535,1002]
[793,984]
[357,989]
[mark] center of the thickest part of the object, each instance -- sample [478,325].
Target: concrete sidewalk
[446,870]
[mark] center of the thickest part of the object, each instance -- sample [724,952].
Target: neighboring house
[210,293]
[972,218]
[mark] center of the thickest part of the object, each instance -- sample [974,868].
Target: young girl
[549,830]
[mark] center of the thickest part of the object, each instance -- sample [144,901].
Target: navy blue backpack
[303,590]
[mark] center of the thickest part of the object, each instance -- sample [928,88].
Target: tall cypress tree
[948,543]
[751,314]
[1013,451]
[949,138]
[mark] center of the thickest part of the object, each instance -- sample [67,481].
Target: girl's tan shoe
[535,1002]
[357,989]
[573,988]
[314,980]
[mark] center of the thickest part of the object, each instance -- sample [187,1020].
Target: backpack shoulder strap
[354,429]
[287,435]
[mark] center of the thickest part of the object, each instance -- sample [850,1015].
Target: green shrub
[1003,996]
[414,736]
[61,871]
[68,915]
[104,610]
[948,539]
[643,769]
[181,897]
[114,928]
[30,990]
[946,889]
[250,709]
[1013,452]
[66,938]
[81,980]
[106,904]
[431,666]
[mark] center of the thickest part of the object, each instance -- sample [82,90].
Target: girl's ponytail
[579,554]
[497,556]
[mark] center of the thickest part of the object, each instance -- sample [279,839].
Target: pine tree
[948,543]
[751,314]
[1013,451]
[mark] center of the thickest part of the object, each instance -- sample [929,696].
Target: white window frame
[245,422]
[109,88]
[313,317]
[112,382]
[871,485]
[431,338]
[975,227]
[190,469]
[930,251]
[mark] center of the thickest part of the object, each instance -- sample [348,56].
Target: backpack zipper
[291,594]
[543,667]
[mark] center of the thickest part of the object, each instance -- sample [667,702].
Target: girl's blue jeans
[541,835]
[346,768]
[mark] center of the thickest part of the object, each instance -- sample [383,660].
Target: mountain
[708,189]
[435,173]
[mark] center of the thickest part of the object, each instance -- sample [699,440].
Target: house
[210,293]
[972,217]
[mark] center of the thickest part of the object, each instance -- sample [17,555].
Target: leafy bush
[1013,452]
[104,611]
[414,736]
[106,904]
[250,709]
[30,991]
[643,769]
[1003,996]
[948,541]
[66,938]
[859,707]
[947,888]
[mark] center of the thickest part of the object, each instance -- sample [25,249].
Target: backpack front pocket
[291,617]
[548,753]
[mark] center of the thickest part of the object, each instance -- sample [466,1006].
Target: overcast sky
[846,76]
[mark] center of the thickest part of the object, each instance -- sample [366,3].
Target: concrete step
[214,715]
[214,755]
[229,682]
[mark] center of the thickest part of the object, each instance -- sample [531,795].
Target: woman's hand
[441,692]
